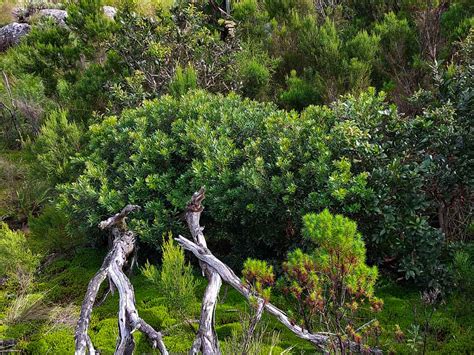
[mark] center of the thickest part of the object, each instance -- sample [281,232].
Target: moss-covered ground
[50,328]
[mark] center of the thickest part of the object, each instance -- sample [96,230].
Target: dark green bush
[49,231]
[262,168]
[23,105]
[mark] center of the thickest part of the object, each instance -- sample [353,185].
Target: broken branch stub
[112,267]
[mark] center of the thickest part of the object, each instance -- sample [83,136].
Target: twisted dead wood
[206,338]
[113,267]
[319,340]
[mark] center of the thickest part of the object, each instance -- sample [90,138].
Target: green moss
[108,308]
[59,341]
[22,330]
[67,280]
[268,349]
[157,317]
[462,343]
[450,331]
[180,343]
[226,330]
[227,314]
[104,335]
[142,345]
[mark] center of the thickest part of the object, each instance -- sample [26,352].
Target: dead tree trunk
[215,270]
[113,267]
[206,338]
[319,340]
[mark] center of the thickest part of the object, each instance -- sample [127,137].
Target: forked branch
[213,266]
[319,340]
[116,259]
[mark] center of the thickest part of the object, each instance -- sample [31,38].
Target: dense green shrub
[159,48]
[49,232]
[91,27]
[299,93]
[16,259]
[458,20]
[23,105]
[264,168]
[254,76]
[183,81]
[329,60]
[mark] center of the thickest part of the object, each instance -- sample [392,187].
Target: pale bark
[206,338]
[113,268]
[319,340]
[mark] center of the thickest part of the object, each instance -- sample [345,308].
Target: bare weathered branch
[119,218]
[320,340]
[206,337]
[123,247]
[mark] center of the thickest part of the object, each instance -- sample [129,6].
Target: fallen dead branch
[206,258]
[206,341]
[206,338]
[113,268]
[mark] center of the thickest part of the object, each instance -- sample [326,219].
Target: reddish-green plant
[259,277]
[332,283]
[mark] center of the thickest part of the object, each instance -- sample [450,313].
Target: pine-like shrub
[331,284]
[175,279]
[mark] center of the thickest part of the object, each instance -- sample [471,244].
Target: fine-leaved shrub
[16,259]
[331,284]
[175,279]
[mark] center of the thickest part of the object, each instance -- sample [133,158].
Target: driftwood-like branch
[206,337]
[319,340]
[118,220]
[113,268]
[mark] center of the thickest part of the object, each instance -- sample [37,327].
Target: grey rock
[12,33]
[59,16]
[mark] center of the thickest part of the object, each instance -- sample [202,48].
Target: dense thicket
[405,179]
[265,168]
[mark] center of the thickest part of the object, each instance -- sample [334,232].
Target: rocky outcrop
[59,16]
[12,33]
